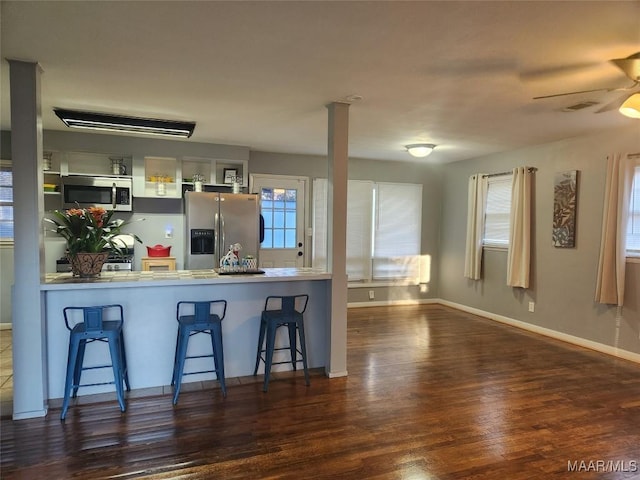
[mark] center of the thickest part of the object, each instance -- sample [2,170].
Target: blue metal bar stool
[201,319]
[282,311]
[101,323]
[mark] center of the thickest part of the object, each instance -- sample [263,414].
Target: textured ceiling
[458,74]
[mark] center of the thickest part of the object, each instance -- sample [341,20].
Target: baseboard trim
[337,374]
[547,332]
[31,414]
[5,326]
[390,303]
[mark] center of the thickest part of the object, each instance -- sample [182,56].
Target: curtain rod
[500,174]
[632,155]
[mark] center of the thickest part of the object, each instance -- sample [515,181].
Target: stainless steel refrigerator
[214,221]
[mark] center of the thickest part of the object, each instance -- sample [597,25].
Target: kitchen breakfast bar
[149,301]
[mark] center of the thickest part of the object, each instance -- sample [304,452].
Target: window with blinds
[319,225]
[360,197]
[6,202]
[384,230]
[397,231]
[497,212]
[633,227]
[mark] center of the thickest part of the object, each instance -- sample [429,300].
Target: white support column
[29,341]
[338,139]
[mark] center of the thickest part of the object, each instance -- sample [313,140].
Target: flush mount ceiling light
[631,106]
[121,123]
[420,149]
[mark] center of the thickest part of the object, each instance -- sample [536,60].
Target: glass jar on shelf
[198,180]
[46,161]
[161,186]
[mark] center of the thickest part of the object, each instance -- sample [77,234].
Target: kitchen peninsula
[149,300]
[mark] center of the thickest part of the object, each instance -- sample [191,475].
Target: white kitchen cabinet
[241,168]
[62,164]
[153,176]
[157,177]
[213,170]
[52,184]
[200,166]
[85,163]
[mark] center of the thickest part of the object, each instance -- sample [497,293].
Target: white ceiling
[458,74]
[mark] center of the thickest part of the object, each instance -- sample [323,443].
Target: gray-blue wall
[563,279]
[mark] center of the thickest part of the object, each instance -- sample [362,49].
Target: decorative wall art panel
[565,200]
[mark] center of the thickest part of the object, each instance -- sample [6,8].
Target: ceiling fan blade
[630,66]
[575,93]
[618,89]
[614,105]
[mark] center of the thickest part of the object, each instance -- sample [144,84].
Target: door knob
[300,254]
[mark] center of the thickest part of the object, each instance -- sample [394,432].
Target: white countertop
[65,281]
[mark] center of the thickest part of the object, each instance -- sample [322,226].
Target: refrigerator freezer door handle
[217,252]
[223,245]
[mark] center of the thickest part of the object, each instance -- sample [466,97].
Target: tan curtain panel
[477,195]
[611,264]
[519,256]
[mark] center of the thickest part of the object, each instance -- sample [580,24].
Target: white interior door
[283,206]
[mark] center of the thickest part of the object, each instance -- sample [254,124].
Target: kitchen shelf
[86,163]
[145,168]
[213,170]
[53,198]
[179,169]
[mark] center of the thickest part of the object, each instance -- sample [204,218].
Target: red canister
[158,251]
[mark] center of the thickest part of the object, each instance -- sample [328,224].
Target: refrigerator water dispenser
[202,241]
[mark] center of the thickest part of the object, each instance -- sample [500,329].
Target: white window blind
[359,220]
[498,207]
[319,253]
[383,230]
[6,202]
[633,227]
[397,231]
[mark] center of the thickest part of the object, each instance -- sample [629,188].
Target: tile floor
[6,374]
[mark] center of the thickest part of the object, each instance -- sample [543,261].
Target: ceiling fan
[630,66]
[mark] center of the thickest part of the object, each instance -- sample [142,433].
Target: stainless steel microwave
[105,192]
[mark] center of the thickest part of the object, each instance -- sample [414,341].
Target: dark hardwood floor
[432,393]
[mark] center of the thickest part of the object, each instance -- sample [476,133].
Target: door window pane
[290,238]
[278,207]
[278,238]
[268,238]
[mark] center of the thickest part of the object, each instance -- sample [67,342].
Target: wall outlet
[532,306]
[424,288]
[372,295]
